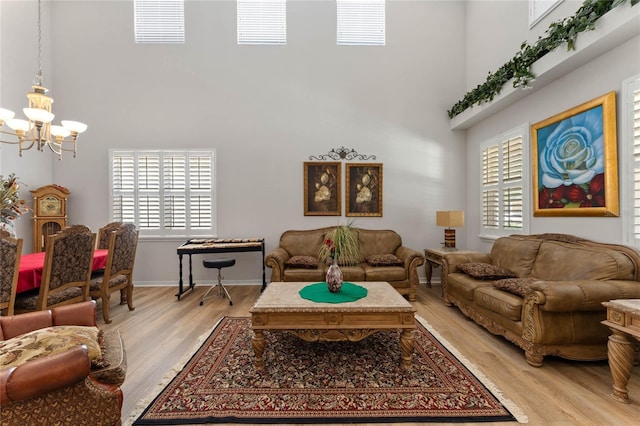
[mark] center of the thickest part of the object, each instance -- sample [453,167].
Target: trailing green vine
[519,67]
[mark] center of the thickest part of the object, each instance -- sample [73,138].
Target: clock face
[50,206]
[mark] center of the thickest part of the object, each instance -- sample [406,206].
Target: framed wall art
[322,190]
[364,189]
[575,162]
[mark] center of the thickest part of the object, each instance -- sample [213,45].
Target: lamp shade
[450,218]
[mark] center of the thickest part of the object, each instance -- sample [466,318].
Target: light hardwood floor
[162,330]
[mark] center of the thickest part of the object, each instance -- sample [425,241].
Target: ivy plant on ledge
[519,67]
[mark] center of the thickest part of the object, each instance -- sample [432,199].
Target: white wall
[599,76]
[265,109]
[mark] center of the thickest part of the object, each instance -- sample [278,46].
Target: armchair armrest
[580,295]
[43,375]
[275,260]
[454,259]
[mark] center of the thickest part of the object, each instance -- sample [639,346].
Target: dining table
[32,266]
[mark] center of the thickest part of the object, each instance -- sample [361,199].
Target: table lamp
[450,219]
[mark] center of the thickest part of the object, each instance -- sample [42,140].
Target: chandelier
[37,130]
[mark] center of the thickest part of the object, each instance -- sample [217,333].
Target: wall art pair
[323,189]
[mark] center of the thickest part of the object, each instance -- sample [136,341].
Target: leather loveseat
[375,245]
[544,292]
[63,387]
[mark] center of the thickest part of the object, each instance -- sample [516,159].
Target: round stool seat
[218,263]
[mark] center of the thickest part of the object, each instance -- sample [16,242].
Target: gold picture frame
[322,189]
[364,189]
[575,161]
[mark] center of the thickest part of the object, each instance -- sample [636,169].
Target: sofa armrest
[408,255]
[275,260]
[44,375]
[454,259]
[580,295]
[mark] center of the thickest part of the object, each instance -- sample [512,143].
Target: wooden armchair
[104,234]
[10,252]
[118,272]
[67,271]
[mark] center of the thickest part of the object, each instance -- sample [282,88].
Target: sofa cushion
[384,260]
[485,271]
[304,274]
[517,286]
[463,285]
[378,241]
[515,254]
[384,273]
[48,341]
[560,261]
[302,262]
[303,243]
[500,302]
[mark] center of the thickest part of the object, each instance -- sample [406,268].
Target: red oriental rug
[336,382]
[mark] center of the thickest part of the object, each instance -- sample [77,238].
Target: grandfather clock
[50,213]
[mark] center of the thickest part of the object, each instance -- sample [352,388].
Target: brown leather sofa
[403,277]
[563,281]
[62,388]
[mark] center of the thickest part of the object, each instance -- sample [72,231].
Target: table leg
[620,362]
[258,343]
[180,283]
[428,270]
[406,346]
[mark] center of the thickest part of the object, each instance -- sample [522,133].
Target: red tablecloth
[31,266]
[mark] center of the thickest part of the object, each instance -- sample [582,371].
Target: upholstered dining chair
[66,273]
[10,252]
[104,234]
[118,272]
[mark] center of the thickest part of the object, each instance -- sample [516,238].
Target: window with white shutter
[262,22]
[360,22]
[159,21]
[165,193]
[504,184]
[630,150]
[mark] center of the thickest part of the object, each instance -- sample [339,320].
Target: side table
[623,319]
[434,258]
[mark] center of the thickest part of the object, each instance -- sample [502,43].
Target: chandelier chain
[39,80]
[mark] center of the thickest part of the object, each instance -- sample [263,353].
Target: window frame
[489,233]
[164,232]
[629,168]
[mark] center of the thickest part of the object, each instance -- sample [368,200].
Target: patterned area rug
[337,382]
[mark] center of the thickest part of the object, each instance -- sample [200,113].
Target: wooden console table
[623,319]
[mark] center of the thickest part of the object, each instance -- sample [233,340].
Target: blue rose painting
[571,162]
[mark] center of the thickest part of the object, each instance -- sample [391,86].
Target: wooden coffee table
[280,308]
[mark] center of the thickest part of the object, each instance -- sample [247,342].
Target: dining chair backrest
[10,252]
[104,234]
[68,263]
[122,250]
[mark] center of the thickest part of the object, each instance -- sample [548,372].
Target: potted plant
[11,207]
[340,246]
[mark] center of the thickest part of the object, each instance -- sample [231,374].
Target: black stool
[218,264]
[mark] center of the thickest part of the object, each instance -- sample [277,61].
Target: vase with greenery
[11,206]
[340,247]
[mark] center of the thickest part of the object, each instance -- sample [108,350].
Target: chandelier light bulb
[6,115]
[18,124]
[59,131]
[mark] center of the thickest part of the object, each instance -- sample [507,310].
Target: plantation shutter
[512,178]
[262,22]
[360,22]
[123,187]
[164,192]
[159,21]
[636,162]
[503,191]
[490,193]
